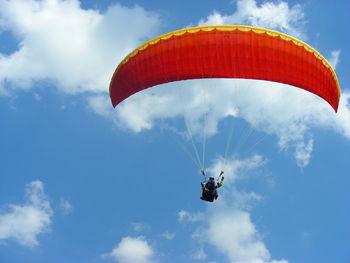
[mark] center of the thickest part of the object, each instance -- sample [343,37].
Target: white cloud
[139,227]
[334,59]
[230,229]
[278,16]
[132,250]
[272,108]
[235,169]
[341,122]
[200,254]
[233,233]
[303,153]
[185,216]
[75,49]
[23,223]
[65,206]
[101,105]
[168,235]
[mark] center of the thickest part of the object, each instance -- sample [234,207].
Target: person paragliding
[224,51]
[209,188]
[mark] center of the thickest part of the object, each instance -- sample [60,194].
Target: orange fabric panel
[224,54]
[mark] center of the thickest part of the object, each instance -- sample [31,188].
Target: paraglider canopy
[226,51]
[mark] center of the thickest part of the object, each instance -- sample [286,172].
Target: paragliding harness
[209,192]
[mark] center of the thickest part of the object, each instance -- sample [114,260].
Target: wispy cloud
[303,152]
[23,223]
[65,206]
[200,254]
[334,59]
[235,169]
[272,15]
[185,216]
[140,227]
[341,122]
[168,235]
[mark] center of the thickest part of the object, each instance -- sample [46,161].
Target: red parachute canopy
[225,52]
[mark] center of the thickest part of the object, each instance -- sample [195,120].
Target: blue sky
[83,182]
